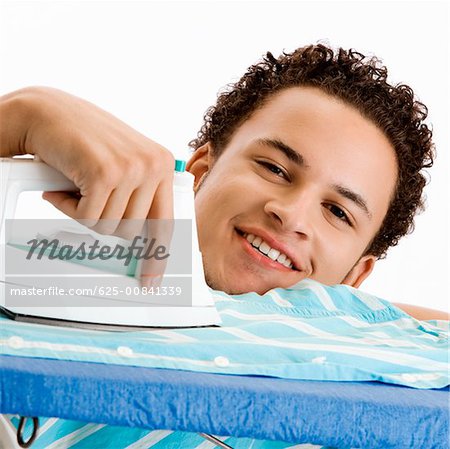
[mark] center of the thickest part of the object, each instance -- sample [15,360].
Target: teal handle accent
[180,165]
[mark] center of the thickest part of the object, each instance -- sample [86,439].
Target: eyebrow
[299,160]
[289,152]
[353,196]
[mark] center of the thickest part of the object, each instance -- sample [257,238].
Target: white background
[159,65]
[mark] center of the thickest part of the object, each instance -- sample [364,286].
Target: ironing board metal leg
[215,440]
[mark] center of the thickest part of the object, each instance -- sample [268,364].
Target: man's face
[307,178]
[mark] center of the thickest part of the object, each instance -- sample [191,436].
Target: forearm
[422,313]
[15,116]
[119,172]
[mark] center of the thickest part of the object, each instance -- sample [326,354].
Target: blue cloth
[255,410]
[310,331]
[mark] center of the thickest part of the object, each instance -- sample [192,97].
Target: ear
[200,163]
[360,271]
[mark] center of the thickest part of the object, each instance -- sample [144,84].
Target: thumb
[66,202]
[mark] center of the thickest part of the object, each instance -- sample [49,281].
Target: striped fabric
[63,434]
[309,331]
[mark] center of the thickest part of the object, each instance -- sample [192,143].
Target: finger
[157,237]
[114,211]
[140,201]
[162,205]
[91,204]
[68,203]
[160,229]
[136,211]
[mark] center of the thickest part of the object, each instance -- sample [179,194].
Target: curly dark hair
[359,81]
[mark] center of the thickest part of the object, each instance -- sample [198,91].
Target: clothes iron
[120,303]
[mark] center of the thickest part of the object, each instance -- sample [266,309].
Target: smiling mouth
[263,248]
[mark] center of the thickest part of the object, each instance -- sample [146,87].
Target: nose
[293,213]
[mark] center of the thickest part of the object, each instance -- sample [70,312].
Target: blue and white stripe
[63,434]
[310,331]
[285,330]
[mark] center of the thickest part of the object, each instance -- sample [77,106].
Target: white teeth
[250,238]
[264,248]
[257,242]
[274,254]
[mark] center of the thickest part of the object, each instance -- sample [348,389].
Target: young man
[309,166]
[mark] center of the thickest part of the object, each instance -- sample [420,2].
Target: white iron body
[19,175]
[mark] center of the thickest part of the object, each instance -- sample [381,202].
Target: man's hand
[120,173]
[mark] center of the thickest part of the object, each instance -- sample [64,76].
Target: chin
[226,287]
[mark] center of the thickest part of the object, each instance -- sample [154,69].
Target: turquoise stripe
[111,437]
[180,440]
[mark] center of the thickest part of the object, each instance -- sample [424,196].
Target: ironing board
[340,414]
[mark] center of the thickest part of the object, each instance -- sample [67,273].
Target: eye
[273,168]
[339,213]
